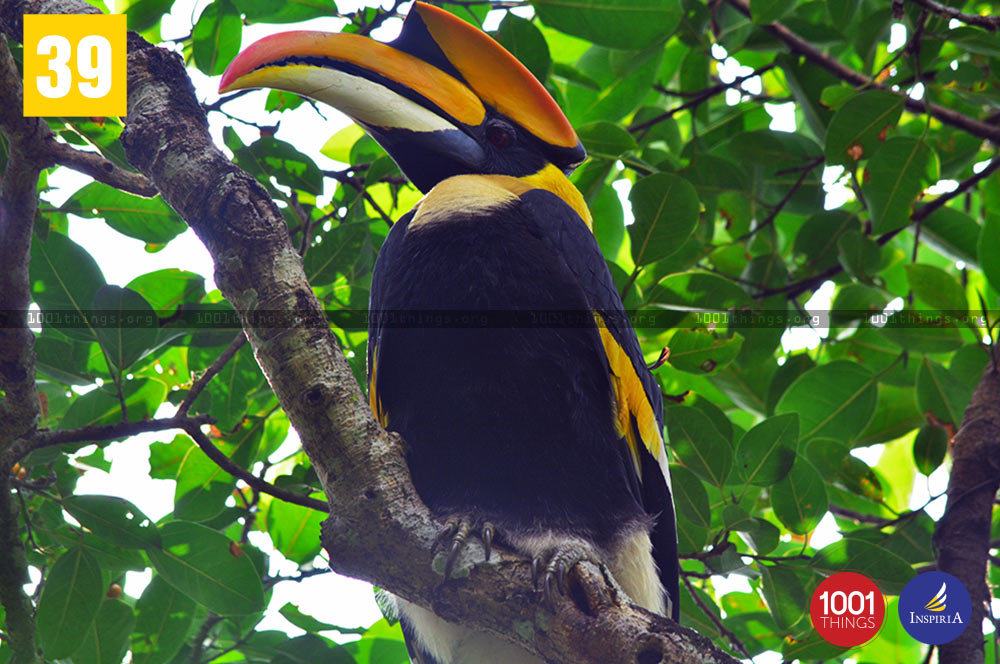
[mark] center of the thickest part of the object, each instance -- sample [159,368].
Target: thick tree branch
[99,168]
[363,470]
[963,533]
[18,200]
[802,47]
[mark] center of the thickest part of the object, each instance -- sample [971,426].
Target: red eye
[500,135]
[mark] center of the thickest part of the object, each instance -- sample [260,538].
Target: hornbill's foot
[456,533]
[560,561]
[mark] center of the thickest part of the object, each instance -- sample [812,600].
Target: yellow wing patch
[373,400]
[630,399]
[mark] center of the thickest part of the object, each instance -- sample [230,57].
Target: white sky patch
[782,116]
[835,185]
[979,166]
[942,187]
[623,187]
[825,533]
[897,37]
[797,338]
[870,455]
[924,488]
[917,91]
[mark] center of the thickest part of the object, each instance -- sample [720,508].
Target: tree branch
[802,47]
[798,287]
[224,462]
[94,434]
[99,168]
[991,23]
[18,201]
[220,362]
[963,533]
[362,468]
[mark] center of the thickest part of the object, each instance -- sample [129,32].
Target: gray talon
[487,537]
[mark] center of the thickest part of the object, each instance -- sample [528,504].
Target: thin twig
[217,366]
[991,23]
[813,163]
[224,462]
[701,98]
[733,639]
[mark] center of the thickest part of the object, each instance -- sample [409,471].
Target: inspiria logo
[935,607]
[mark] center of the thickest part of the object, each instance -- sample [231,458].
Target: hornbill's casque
[551,434]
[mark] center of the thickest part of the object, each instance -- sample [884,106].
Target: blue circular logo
[934,607]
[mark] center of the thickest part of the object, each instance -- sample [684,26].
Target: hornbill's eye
[500,134]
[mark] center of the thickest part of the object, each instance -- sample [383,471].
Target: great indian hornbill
[548,434]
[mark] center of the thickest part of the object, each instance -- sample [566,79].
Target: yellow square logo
[74,65]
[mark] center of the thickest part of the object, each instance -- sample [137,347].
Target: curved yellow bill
[498,77]
[282,61]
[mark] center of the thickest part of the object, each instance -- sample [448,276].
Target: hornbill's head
[443,99]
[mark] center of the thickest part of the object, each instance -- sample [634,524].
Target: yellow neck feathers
[483,193]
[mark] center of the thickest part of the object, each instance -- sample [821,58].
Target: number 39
[93,63]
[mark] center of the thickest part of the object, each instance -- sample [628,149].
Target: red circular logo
[847,609]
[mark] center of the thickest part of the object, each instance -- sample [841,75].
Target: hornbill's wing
[638,399]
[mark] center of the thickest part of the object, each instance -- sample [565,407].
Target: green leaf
[142,398]
[526,43]
[627,24]
[144,14]
[887,569]
[988,248]
[702,352]
[766,453]
[65,278]
[761,536]
[294,529]
[698,291]
[202,486]
[113,519]
[859,255]
[148,219]
[268,157]
[786,598]
[940,393]
[70,599]
[699,445]
[341,249]
[937,288]
[799,499]
[929,448]
[690,496]
[166,289]
[201,563]
[164,617]
[895,176]
[666,212]
[269,11]
[338,147]
[228,392]
[857,129]
[922,332]
[108,636]
[768,11]
[835,400]
[308,649]
[216,37]
[295,616]
[131,327]
[606,140]
[955,234]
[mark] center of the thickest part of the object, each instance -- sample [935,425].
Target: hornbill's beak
[432,98]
